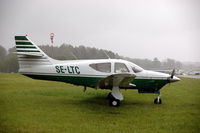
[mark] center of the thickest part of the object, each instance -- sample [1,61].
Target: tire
[157,101]
[114,102]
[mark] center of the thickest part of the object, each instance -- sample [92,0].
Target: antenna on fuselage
[106,54]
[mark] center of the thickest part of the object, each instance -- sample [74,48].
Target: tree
[9,63]
[3,53]
[156,63]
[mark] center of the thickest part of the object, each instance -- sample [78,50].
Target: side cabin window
[101,67]
[120,68]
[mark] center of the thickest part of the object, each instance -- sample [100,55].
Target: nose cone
[174,79]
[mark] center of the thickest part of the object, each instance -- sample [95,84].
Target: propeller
[172,74]
[173,78]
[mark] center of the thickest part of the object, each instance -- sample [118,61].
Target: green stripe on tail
[33,47]
[24,43]
[28,51]
[20,38]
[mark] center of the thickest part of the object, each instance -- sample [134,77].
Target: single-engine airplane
[113,74]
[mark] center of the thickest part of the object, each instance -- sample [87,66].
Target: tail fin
[29,54]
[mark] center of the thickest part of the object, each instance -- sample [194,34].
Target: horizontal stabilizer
[29,54]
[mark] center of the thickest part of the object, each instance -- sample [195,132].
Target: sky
[131,28]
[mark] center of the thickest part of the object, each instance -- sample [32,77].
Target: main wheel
[158,101]
[114,102]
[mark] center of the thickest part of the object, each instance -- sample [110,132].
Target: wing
[121,80]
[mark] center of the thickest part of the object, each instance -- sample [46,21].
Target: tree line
[8,60]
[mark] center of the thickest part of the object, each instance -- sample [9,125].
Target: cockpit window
[120,68]
[101,67]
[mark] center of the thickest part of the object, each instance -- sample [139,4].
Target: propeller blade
[172,74]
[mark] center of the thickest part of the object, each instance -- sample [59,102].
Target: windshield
[136,68]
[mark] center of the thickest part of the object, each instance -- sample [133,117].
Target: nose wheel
[158,100]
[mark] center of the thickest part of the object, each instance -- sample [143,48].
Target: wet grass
[36,106]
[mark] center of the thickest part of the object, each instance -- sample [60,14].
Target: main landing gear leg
[158,99]
[115,97]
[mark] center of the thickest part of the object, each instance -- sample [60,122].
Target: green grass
[36,106]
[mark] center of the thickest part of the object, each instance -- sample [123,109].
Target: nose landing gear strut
[158,99]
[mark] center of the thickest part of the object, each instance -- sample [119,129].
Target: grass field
[36,106]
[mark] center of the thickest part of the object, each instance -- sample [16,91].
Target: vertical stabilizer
[29,54]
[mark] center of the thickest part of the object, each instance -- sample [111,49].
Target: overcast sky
[132,28]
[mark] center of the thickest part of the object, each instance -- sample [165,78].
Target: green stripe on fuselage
[24,43]
[20,38]
[77,80]
[151,85]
